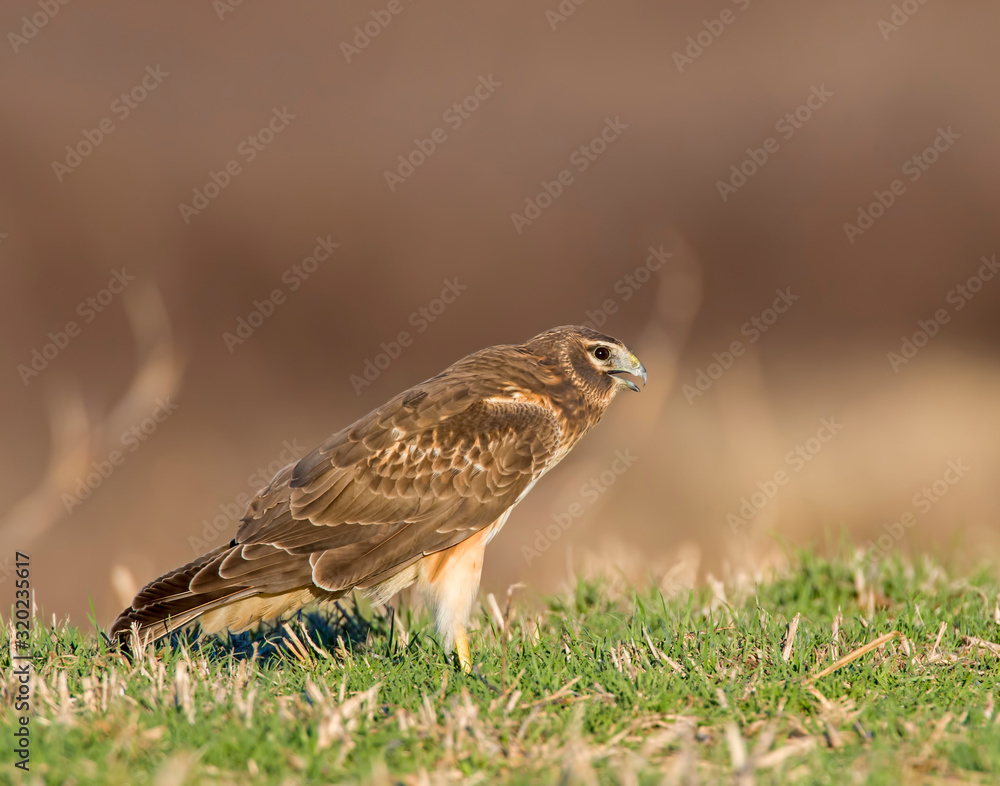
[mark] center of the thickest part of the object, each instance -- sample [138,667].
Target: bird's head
[599,364]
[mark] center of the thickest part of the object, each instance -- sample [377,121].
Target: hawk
[410,493]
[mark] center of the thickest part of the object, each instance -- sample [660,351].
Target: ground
[762,680]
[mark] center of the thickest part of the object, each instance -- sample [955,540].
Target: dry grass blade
[778,756]
[793,626]
[495,613]
[937,641]
[853,656]
[315,647]
[659,654]
[295,646]
[982,643]
[561,694]
[838,620]
[737,747]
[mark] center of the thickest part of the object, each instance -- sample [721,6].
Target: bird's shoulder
[494,394]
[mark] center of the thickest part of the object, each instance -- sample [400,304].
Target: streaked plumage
[411,492]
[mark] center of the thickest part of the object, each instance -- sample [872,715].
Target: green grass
[600,686]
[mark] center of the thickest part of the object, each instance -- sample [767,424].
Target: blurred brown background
[891,81]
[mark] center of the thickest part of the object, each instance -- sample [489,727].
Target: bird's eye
[602,353]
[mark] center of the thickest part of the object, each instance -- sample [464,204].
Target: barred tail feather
[169,602]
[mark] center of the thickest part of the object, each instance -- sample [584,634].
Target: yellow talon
[462,648]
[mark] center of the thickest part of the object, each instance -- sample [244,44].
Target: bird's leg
[462,648]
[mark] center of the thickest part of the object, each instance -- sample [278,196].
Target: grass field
[746,683]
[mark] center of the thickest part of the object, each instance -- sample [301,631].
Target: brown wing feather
[430,489]
[434,485]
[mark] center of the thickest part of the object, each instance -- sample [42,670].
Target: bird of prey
[410,493]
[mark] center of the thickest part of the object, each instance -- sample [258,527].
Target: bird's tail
[169,603]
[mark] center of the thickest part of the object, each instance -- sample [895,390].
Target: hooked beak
[635,368]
